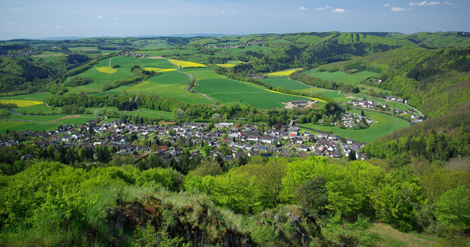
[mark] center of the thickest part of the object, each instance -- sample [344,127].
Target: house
[238,154]
[253,153]
[350,141]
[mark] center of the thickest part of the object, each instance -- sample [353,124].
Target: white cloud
[114,18]
[420,4]
[233,11]
[320,8]
[58,26]
[100,17]
[329,7]
[386,5]
[398,9]
[447,2]
[338,11]
[303,8]
[424,3]
[223,11]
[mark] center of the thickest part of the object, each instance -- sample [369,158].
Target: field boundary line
[190,79]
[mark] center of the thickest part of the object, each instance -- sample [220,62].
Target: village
[224,140]
[372,105]
[253,43]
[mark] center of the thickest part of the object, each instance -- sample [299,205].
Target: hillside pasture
[203,73]
[229,92]
[22,126]
[171,85]
[29,97]
[285,83]
[340,76]
[226,65]
[385,125]
[187,64]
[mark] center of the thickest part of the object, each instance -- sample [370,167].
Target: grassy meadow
[22,126]
[341,76]
[285,83]
[228,91]
[172,85]
[385,125]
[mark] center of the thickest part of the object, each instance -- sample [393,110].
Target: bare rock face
[198,227]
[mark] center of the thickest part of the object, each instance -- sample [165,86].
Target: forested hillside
[440,138]
[275,202]
[433,80]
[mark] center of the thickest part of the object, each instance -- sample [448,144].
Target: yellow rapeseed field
[227,65]
[283,73]
[186,64]
[317,99]
[159,69]
[21,103]
[107,70]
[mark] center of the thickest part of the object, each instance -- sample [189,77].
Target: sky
[37,19]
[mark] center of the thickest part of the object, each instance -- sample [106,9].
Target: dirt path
[190,78]
[67,117]
[110,62]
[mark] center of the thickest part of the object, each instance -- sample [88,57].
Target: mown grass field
[285,83]
[226,65]
[32,97]
[122,73]
[60,118]
[386,125]
[228,92]
[203,73]
[78,49]
[339,76]
[37,108]
[171,85]
[22,126]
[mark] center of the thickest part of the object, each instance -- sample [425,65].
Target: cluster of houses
[252,43]
[396,99]
[133,54]
[226,140]
[349,120]
[299,103]
[22,54]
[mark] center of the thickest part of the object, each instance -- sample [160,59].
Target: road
[190,78]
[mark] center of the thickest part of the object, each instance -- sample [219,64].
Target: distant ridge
[148,36]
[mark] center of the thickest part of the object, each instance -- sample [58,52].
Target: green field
[203,73]
[339,76]
[229,91]
[78,49]
[33,97]
[285,83]
[123,72]
[172,85]
[36,109]
[22,126]
[386,125]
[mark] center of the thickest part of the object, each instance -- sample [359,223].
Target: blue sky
[64,18]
